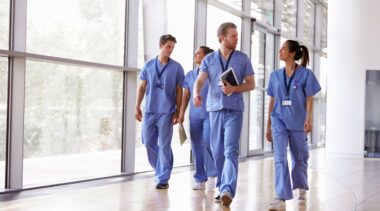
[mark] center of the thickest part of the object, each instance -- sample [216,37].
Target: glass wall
[309,16]
[4,24]
[90,30]
[73,123]
[3,115]
[215,17]
[157,18]
[237,4]
[289,17]
[263,10]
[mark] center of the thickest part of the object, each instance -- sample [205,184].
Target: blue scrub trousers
[225,134]
[200,146]
[157,131]
[299,150]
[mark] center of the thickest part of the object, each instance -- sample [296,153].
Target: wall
[353,47]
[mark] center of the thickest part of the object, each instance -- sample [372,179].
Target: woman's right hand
[268,134]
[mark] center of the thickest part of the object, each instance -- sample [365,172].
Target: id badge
[286,102]
[159,85]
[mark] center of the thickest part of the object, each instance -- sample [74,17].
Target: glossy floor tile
[336,183]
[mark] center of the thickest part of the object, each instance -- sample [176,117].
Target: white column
[353,47]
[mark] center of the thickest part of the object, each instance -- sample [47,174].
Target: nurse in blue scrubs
[161,81]
[291,91]
[225,105]
[205,170]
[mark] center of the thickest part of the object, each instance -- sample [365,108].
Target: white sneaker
[199,186]
[210,183]
[277,204]
[302,197]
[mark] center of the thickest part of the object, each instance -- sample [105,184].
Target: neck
[290,67]
[225,51]
[163,59]
[197,65]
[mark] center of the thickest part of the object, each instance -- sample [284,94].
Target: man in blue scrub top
[205,169]
[291,89]
[161,80]
[225,104]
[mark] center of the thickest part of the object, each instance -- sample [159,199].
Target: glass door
[262,57]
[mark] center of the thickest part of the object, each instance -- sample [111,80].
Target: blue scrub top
[303,85]
[196,112]
[161,100]
[216,99]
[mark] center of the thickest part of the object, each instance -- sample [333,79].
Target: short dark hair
[222,30]
[206,50]
[167,37]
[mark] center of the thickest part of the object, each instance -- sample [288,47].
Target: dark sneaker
[226,199]
[217,199]
[162,186]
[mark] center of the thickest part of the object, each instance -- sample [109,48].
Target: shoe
[277,204]
[217,199]
[199,186]
[162,186]
[226,199]
[302,197]
[210,183]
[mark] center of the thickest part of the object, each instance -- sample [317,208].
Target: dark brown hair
[206,50]
[222,30]
[301,52]
[167,37]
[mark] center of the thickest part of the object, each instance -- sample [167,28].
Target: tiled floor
[336,183]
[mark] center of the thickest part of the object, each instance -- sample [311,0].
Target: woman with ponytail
[291,91]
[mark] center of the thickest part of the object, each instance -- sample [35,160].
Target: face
[231,39]
[198,56]
[284,53]
[167,48]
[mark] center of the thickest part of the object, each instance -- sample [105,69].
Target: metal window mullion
[16,96]
[300,19]
[129,86]
[200,26]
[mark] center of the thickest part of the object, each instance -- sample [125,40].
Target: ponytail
[305,56]
[301,52]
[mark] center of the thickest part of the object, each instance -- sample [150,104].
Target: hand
[175,118]
[268,134]
[181,117]
[197,101]
[308,126]
[227,88]
[138,114]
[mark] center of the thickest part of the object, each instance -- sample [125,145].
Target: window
[289,17]
[324,32]
[158,18]
[262,10]
[91,30]
[309,14]
[215,17]
[4,24]
[3,115]
[73,123]
[237,4]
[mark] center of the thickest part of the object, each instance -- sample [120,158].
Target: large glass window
[157,18]
[309,14]
[263,10]
[324,32]
[289,17]
[215,17]
[237,4]
[3,115]
[73,123]
[91,30]
[4,24]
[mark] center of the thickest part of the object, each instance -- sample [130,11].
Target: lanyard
[287,86]
[228,60]
[159,74]
[197,71]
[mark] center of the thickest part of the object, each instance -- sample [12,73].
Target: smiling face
[167,48]
[198,56]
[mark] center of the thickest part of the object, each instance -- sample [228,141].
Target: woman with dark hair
[205,169]
[291,91]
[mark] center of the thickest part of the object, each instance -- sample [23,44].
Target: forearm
[185,101]
[140,96]
[270,109]
[178,97]
[246,86]
[309,108]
